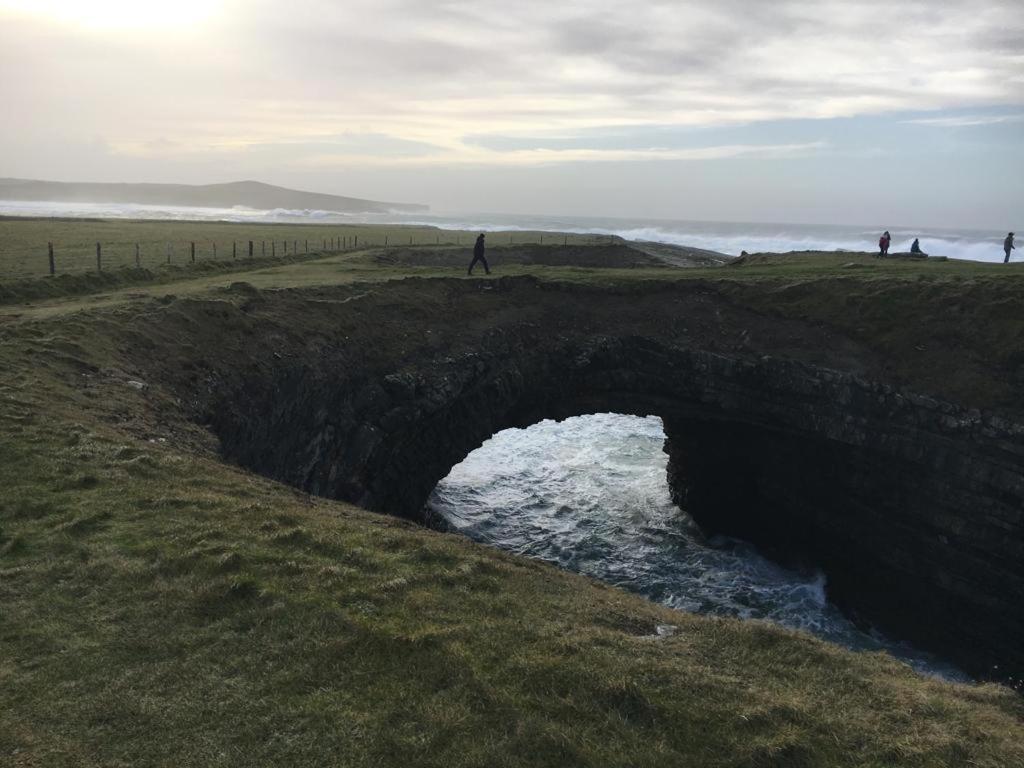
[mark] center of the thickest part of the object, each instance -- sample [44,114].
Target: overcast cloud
[377,98]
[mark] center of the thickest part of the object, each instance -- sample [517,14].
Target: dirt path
[331,270]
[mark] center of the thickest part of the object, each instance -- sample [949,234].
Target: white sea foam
[238,213]
[590,494]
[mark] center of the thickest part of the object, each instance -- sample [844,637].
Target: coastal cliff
[911,504]
[150,560]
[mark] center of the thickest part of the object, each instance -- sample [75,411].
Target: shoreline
[730,238]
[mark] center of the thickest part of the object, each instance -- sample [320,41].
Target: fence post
[356,241]
[138,260]
[250,249]
[99,258]
[566,240]
[167,249]
[385,241]
[307,246]
[234,249]
[295,247]
[273,248]
[193,252]
[53,267]
[214,250]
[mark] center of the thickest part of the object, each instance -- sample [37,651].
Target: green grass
[23,242]
[163,609]
[158,607]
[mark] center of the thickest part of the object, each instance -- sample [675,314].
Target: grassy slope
[951,329]
[162,608]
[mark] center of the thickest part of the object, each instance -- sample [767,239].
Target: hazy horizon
[735,111]
[483,214]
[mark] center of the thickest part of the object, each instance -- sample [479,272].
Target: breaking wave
[590,495]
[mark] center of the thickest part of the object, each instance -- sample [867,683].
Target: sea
[731,238]
[590,495]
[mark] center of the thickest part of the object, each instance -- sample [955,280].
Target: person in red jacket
[883,244]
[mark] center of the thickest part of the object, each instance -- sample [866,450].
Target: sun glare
[116,14]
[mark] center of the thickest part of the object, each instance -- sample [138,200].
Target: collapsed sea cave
[913,507]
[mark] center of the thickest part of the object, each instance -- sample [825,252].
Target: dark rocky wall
[913,508]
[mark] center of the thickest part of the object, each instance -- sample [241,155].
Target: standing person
[478,255]
[883,244]
[1007,247]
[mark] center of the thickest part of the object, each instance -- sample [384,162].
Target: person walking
[478,255]
[1007,247]
[883,244]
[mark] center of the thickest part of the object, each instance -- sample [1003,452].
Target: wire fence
[71,258]
[62,253]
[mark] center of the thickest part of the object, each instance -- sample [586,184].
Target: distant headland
[252,194]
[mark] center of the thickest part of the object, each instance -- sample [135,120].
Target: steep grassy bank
[954,329]
[163,608]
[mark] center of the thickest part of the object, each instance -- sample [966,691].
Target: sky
[812,111]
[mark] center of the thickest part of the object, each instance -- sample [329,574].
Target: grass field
[160,607]
[24,254]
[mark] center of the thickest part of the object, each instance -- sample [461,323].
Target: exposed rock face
[914,508]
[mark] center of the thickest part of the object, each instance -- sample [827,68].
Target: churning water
[590,494]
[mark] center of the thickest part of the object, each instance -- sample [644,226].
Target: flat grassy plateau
[160,607]
[24,251]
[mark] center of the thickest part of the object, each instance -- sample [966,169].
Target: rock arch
[912,507]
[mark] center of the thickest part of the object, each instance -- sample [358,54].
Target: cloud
[540,156]
[966,121]
[269,80]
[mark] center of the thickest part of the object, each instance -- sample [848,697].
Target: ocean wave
[589,494]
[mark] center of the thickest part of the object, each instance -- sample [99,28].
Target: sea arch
[904,501]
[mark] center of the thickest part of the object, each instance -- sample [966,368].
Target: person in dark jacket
[1007,247]
[915,246]
[478,255]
